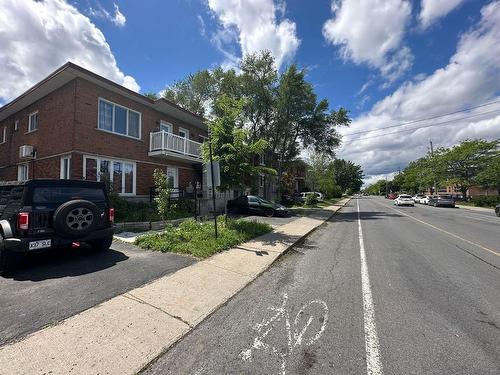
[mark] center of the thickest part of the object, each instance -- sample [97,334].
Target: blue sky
[387,61]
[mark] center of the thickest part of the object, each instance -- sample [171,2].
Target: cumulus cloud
[371,32]
[471,77]
[98,11]
[37,37]
[118,18]
[432,10]
[255,25]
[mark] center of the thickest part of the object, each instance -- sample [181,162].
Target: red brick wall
[55,127]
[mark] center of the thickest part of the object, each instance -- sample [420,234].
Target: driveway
[52,286]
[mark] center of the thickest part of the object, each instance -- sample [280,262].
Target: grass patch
[197,237]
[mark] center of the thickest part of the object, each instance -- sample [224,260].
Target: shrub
[162,198]
[311,199]
[485,200]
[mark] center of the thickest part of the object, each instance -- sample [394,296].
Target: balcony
[172,146]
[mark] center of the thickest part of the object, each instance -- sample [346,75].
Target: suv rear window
[61,194]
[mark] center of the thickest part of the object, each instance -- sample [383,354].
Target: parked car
[497,210]
[418,197]
[391,196]
[404,200]
[303,195]
[425,200]
[46,214]
[254,205]
[442,200]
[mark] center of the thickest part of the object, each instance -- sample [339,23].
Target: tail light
[111,215]
[23,220]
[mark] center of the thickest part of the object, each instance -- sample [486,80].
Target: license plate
[41,244]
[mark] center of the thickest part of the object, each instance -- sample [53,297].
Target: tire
[75,219]
[497,212]
[102,244]
[269,212]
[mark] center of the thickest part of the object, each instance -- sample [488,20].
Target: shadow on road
[64,262]
[365,215]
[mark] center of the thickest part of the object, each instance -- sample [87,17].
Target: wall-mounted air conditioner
[26,152]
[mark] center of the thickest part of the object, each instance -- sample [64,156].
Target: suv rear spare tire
[76,218]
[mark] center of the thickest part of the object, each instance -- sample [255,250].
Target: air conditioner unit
[26,151]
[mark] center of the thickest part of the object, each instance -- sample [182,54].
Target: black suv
[43,214]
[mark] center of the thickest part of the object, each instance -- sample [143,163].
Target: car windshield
[405,196]
[61,194]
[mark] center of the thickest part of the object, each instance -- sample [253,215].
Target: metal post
[213,183]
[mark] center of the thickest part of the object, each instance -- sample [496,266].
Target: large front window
[120,174]
[117,119]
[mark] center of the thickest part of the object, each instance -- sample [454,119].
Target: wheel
[75,218]
[269,212]
[498,212]
[102,244]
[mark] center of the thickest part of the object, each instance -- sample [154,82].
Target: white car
[404,200]
[319,196]
[417,198]
[425,200]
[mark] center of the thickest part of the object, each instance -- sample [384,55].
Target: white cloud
[255,26]
[37,37]
[371,32]
[471,77]
[118,18]
[432,10]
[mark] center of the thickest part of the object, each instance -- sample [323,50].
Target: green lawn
[197,237]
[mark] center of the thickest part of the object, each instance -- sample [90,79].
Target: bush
[162,198]
[311,199]
[336,192]
[197,237]
[485,200]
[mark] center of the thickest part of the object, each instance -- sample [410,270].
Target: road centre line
[373,363]
[444,231]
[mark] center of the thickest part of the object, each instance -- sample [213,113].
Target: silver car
[442,200]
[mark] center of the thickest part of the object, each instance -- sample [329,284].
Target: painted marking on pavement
[295,337]
[373,363]
[444,231]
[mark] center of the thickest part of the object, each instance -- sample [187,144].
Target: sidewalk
[473,208]
[124,334]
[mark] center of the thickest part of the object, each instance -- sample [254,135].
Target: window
[3,137]
[172,177]
[22,172]
[120,174]
[33,122]
[261,180]
[262,159]
[166,127]
[16,125]
[117,119]
[65,163]
[184,133]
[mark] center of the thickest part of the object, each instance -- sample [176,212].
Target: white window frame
[186,132]
[30,122]
[262,159]
[16,125]
[113,119]
[167,125]
[98,160]
[176,176]
[4,135]
[65,171]
[20,173]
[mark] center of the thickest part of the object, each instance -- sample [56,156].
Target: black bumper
[21,245]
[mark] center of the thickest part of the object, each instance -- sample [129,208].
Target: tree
[151,95]
[463,164]
[348,176]
[231,146]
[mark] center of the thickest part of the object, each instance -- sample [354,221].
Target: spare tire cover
[75,218]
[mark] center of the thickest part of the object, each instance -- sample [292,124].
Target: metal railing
[164,141]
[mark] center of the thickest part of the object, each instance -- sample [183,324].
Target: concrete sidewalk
[124,334]
[473,208]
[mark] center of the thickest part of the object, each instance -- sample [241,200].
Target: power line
[425,119]
[426,126]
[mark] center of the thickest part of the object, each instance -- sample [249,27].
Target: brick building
[76,124]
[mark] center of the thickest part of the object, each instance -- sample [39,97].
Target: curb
[216,308]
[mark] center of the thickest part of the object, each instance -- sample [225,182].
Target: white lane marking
[373,363]
[294,338]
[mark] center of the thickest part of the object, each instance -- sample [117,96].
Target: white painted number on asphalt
[295,335]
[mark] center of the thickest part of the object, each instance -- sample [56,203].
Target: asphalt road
[52,286]
[433,280]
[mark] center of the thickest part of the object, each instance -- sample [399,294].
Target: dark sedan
[497,210]
[253,205]
[442,200]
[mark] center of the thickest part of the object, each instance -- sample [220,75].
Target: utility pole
[213,182]
[432,155]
